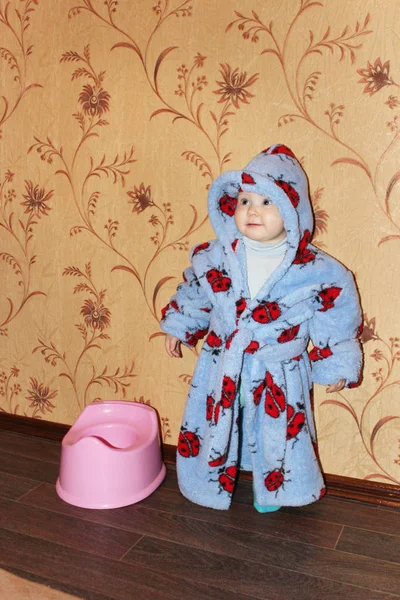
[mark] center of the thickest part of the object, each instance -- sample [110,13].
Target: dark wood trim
[350,488]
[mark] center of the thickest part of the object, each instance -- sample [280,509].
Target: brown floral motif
[94,101]
[389,355]
[140,198]
[376,76]
[16,24]
[392,102]
[39,397]
[233,86]
[95,316]
[20,231]
[36,199]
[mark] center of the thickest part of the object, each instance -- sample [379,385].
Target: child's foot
[265,509]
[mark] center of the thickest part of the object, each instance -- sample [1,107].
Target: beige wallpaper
[115,117]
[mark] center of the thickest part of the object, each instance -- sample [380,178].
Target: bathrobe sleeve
[334,330]
[187,316]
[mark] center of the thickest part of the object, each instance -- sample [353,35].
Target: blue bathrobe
[258,346]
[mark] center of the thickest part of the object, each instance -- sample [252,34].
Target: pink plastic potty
[111,456]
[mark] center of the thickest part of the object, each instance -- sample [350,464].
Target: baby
[260,292]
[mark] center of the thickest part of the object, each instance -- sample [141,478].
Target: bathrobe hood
[275,172]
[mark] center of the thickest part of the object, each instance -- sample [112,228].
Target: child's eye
[244,201]
[267,202]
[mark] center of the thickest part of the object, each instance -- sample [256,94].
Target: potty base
[133,499]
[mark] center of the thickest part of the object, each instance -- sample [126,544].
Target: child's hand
[173,346]
[336,387]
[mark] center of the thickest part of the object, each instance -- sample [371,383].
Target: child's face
[258,218]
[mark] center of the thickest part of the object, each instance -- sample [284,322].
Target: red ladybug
[252,347]
[164,310]
[359,331]
[266,312]
[246,178]
[193,338]
[227,205]
[217,462]
[240,308]
[209,407]
[257,392]
[188,444]
[228,392]
[289,334]
[200,247]
[296,422]
[274,480]
[319,353]
[234,244]
[206,310]
[322,493]
[328,297]
[275,400]
[218,281]
[213,340]
[230,338]
[289,191]
[227,479]
[304,255]
[280,149]
[355,384]
[217,410]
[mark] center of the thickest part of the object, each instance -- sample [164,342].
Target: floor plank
[369,543]
[29,468]
[54,527]
[115,579]
[13,487]
[31,447]
[239,575]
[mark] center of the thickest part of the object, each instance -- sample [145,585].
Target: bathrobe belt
[230,366]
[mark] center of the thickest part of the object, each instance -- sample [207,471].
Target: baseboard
[349,488]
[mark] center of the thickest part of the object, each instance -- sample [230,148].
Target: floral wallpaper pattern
[114,119]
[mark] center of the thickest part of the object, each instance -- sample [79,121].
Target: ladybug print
[319,353]
[173,305]
[188,444]
[304,255]
[289,191]
[274,480]
[266,312]
[327,297]
[252,347]
[227,205]
[355,384]
[296,422]
[193,338]
[322,493]
[275,400]
[201,247]
[228,392]
[217,410]
[240,308]
[206,310]
[230,338]
[234,244]
[227,479]
[246,178]
[164,310]
[217,462]
[218,281]
[258,391]
[209,408]
[281,149]
[359,331]
[213,340]
[289,334]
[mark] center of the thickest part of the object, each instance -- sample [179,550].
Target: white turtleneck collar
[266,248]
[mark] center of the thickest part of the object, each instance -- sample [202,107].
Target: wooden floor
[168,548]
